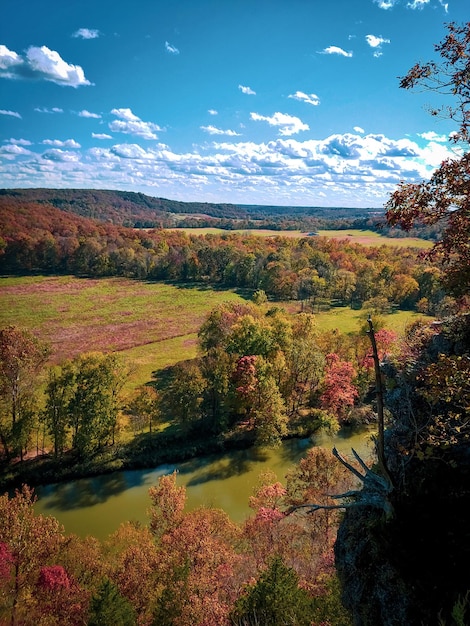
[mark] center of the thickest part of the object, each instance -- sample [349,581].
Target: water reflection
[98,505]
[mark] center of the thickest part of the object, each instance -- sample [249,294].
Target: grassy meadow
[151,325]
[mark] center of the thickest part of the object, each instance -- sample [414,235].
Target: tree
[143,408]
[339,392]
[59,391]
[22,356]
[276,599]
[445,197]
[96,380]
[109,608]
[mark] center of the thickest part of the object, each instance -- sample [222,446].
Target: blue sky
[283,102]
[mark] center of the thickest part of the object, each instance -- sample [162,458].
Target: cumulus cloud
[432,136]
[358,129]
[352,169]
[287,124]
[212,130]
[9,60]
[304,97]
[50,111]
[87,33]
[336,50]
[171,49]
[41,64]
[376,43]
[130,151]
[212,112]
[18,142]
[247,90]
[100,136]
[60,156]
[130,124]
[86,113]
[68,143]
[10,113]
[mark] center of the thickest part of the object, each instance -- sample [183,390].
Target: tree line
[314,270]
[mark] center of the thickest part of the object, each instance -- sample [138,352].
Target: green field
[151,324]
[364,237]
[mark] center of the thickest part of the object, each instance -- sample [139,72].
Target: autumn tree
[339,391]
[22,357]
[445,197]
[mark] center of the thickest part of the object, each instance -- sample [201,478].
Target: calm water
[96,506]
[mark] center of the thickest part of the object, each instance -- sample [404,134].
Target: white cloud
[247,90]
[358,129]
[100,136]
[8,60]
[86,113]
[171,49]
[13,150]
[41,64]
[18,142]
[87,33]
[130,124]
[212,112]
[10,113]
[288,124]
[46,110]
[433,136]
[336,50]
[60,156]
[68,143]
[417,4]
[212,130]
[386,4]
[308,98]
[131,151]
[351,169]
[376,43]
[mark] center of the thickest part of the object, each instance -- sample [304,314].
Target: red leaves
[339,393]
[53,577]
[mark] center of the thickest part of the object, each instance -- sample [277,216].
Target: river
[97,506]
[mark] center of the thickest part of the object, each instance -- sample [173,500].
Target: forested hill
[126,208]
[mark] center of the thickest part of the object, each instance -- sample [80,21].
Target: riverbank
[145,451]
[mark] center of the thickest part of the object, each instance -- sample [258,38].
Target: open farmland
[151,324]
[364,237]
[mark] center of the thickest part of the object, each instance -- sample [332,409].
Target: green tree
[94,404]
[22,357]
[275,600]
[109,608]
[59,391]
[181,397]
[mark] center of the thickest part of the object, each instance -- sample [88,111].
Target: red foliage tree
[339,391]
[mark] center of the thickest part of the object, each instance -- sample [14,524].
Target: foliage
[276,599]
[445,197]
[109,608]
[22,356]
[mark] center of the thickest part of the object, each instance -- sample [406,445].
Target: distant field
[151,324]
[364,237]
[371,238]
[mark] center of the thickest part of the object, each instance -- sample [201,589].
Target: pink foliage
[339,392]
[53,577]
[6,561]
[384,339]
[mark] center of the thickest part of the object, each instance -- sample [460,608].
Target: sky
[274,102]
